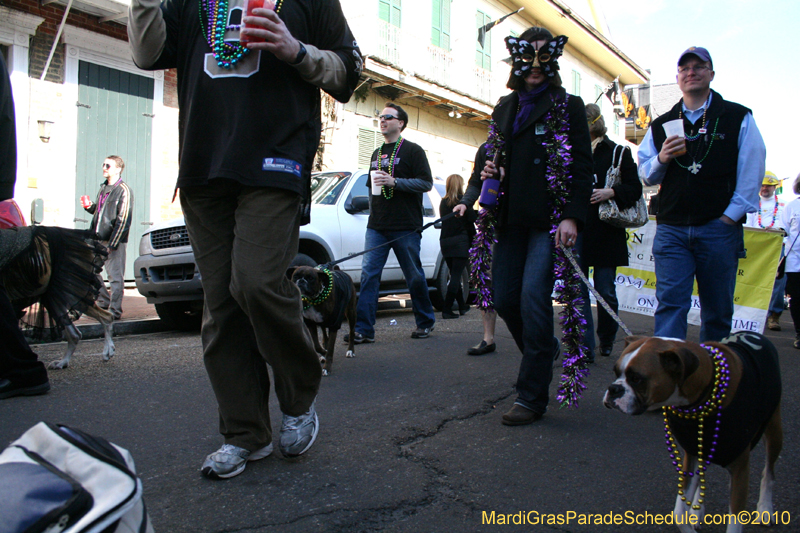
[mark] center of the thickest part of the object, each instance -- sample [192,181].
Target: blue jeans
[522,280]
[604,281]
[407,252]
[709,253]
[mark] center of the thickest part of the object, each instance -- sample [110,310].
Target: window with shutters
[598,92]
[483,54]
[389,10]
[368,142]
[440,25]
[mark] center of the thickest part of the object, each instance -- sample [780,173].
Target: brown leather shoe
[773,322]
[520,416]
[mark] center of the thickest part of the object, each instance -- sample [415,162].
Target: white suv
[166,273]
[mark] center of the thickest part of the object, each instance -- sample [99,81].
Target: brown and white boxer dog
[329,297]
[740,376]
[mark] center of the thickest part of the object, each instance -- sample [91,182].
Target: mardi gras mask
[526,57]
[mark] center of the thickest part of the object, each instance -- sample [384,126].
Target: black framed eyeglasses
[388,117]
[106,166]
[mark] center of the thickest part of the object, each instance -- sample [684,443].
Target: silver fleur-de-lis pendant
[695,168]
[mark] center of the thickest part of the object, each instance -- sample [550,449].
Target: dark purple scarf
[527,101]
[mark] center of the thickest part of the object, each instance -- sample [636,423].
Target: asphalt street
[410,439]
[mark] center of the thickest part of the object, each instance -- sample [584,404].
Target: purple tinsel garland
[480,255]
[568,293]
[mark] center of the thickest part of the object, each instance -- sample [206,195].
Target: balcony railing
[482,87]
[411,53]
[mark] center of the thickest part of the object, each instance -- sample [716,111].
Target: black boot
[447,310]
[463,308]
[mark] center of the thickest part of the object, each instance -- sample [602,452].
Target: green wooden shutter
[389,10]
[446,24]
[576,83]
[115,117]
[483,56]
[440,24]
[436,23]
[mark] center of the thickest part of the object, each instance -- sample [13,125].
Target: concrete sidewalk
[138,317]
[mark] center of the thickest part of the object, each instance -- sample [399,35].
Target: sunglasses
[106,166]
[388,117]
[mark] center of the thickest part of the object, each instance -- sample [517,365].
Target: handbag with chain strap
[632,217]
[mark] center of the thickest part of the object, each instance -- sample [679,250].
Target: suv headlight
[144,245]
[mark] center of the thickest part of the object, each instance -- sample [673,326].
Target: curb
[125,327]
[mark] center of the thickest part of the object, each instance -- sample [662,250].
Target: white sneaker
[298,433]
[230,461]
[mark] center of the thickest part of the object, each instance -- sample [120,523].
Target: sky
[755,48]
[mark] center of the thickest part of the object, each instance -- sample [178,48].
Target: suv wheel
[440,286]
[183,316]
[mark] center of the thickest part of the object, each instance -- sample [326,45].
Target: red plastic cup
[86,201]
[249,6]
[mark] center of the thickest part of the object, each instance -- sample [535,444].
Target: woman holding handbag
[455,239]
[602,245]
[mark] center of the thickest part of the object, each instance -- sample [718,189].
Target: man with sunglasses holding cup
[399,175]
[112,212]
[710,175]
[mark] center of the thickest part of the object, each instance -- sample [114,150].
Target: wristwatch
[300,54]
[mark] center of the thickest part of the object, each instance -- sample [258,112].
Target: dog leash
[420,230]
[600,299]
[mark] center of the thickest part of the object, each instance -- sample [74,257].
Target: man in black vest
[710,178]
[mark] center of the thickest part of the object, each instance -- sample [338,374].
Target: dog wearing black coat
[329,297]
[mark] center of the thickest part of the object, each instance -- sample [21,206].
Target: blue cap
[698,51]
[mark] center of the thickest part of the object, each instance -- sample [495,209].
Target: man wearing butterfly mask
[537,209]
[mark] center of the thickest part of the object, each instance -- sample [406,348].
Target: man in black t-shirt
[249,124]
[401,169]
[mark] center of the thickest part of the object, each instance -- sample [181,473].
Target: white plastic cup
[675,127]
[376,189]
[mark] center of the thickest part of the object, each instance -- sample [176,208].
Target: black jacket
[457,232]
[113,222]
[8,136]
[527,199]
[603,244]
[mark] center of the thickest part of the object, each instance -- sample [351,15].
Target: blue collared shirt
[750,166]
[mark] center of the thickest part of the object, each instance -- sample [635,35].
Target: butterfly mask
[525,57]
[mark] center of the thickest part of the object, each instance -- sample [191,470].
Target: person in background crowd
[770,216]
[21,372]
[603,246]
[455,240]
[111,221]
[791,223]
[709,181]
[652,205]
[249,131]
[471,195]
[522,264]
